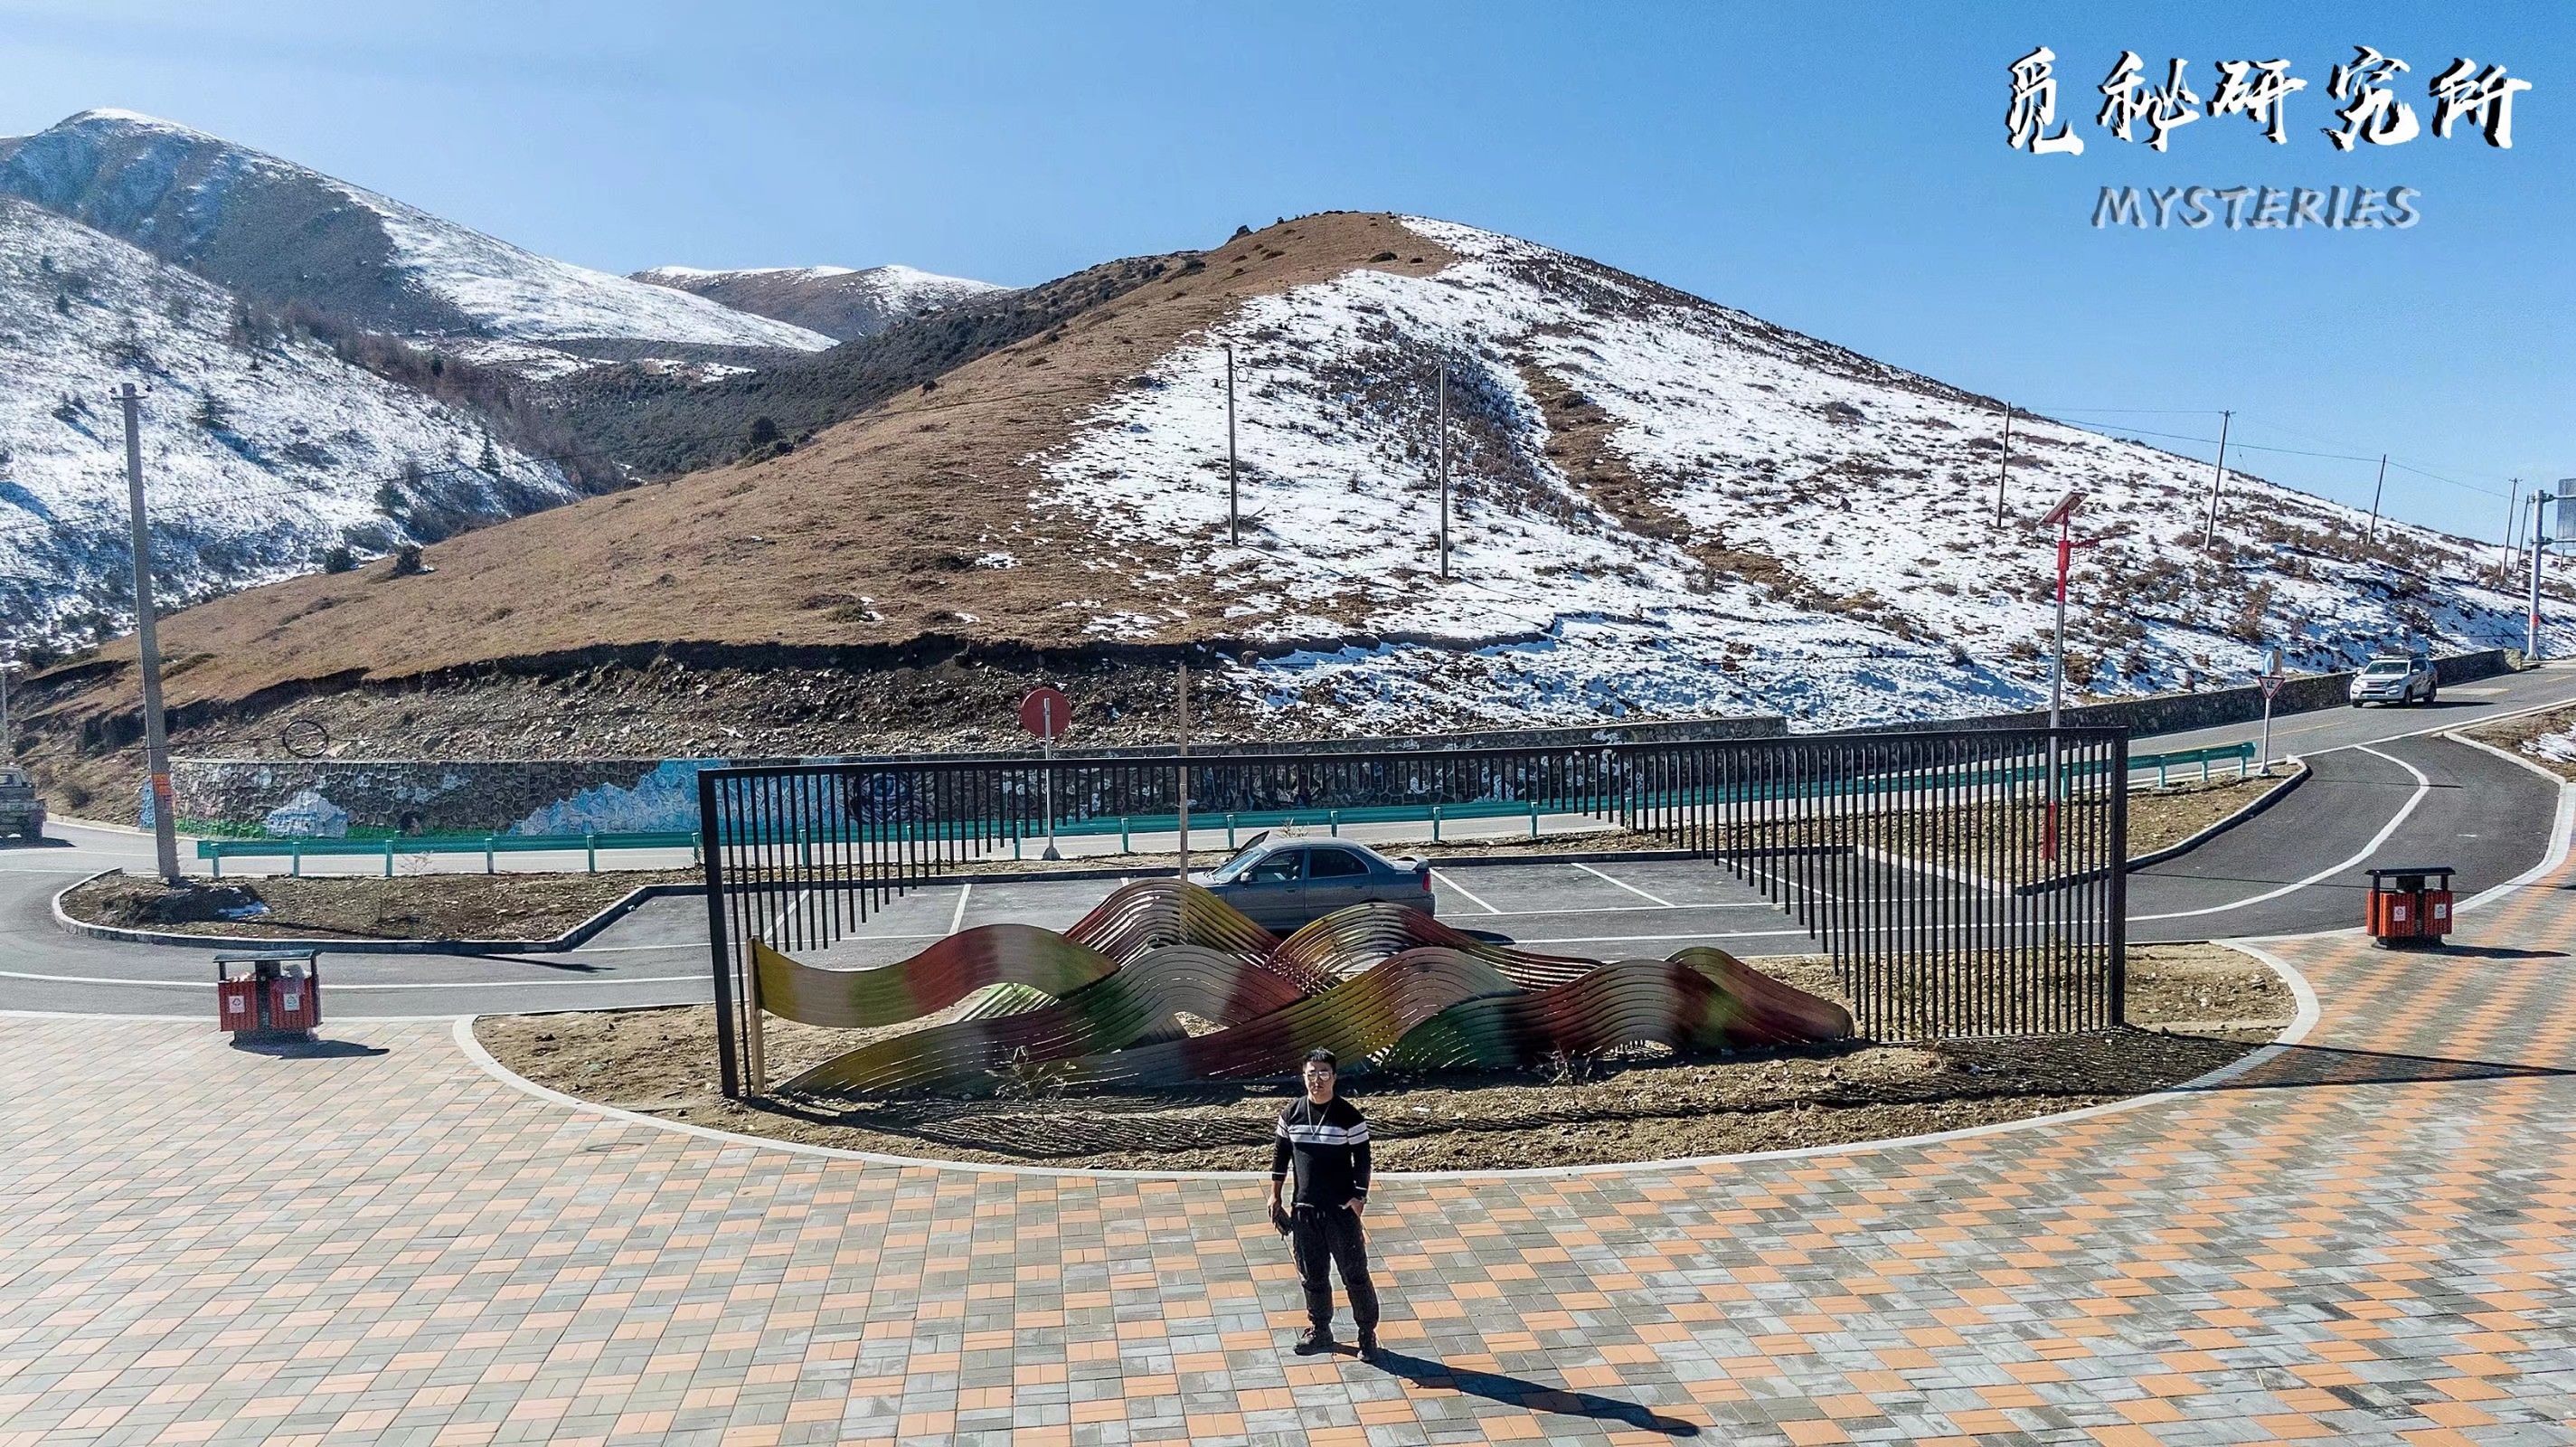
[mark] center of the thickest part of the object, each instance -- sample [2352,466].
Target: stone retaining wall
[2167,713]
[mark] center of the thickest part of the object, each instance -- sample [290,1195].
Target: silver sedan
[1283,882]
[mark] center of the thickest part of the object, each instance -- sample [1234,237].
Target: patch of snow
[517,293]
[1850,505]
[257,456]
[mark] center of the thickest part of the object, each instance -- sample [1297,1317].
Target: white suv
[2395,679]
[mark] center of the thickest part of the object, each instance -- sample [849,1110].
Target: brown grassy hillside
[866,536]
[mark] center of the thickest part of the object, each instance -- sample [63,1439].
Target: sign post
[2542,542]
[2271,686]
[1046,712]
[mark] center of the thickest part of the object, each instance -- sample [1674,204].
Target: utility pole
[8,661]
[2209,533]
[2005,475]
[1185,770]
[1233,492]
[2372,536]
[147,642]
[2539,544]
[1443,415]
[2062,518]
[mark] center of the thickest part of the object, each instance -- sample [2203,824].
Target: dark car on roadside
[1283,881]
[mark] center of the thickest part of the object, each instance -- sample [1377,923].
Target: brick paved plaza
[2365,1236]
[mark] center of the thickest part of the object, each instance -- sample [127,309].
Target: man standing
[1327,1140]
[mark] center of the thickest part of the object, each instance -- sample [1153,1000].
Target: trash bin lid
[2411,876]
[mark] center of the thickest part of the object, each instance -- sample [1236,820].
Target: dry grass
[890,508]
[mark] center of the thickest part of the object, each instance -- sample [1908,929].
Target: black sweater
[1329,1146]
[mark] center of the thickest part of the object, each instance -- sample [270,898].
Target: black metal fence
[1962,883]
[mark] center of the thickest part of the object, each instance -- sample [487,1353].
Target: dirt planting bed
[2196,1007]
[2517,736]
[405,907]
[2161,818]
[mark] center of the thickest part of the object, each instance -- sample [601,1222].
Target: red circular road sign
[1046,712]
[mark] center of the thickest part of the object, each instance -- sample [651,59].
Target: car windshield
[1233,868]
[2381,668]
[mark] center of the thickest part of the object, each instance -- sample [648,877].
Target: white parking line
[1654,939]
[1462,889]
[957,920]
[1623,884]
[341,986]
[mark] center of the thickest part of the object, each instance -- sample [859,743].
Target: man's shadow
[1532,1396]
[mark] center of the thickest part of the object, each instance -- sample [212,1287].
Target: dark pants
[1320,1234]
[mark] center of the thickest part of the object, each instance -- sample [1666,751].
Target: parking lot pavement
[1641,907]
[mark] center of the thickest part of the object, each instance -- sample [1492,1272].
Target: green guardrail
[490,846]
[2241,755]
[1233,821]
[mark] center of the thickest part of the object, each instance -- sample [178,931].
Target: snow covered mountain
[1660,507]
[1666,506]
[837,301]
[279,233]
[260,451]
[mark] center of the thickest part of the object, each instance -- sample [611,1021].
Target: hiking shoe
[1368,1346]
[1312,1340]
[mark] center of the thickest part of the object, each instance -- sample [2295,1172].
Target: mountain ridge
[280,232]
[841,302]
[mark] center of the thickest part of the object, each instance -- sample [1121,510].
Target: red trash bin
[2409,905]
[271,995]
[236,1001]
[295,997]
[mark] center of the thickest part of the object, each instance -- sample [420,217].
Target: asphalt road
[2384,790]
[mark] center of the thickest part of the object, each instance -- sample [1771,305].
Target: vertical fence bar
[711,865]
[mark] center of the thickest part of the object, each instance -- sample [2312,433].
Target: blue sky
[1838,169]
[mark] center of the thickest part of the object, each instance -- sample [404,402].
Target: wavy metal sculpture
[1136,1006]
[1347,941]
[938,977]
[1700,999]
[1373,981]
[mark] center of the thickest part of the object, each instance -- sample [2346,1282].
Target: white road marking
[1462,889]
[957,920]
[338,986]
[1654,939]
[2423,788]
[1623,884]
[1787,883]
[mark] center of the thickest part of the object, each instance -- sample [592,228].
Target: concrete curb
[569,939]
[2271,796]
[2182,847]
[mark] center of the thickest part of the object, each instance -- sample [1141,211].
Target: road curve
[2386,789]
